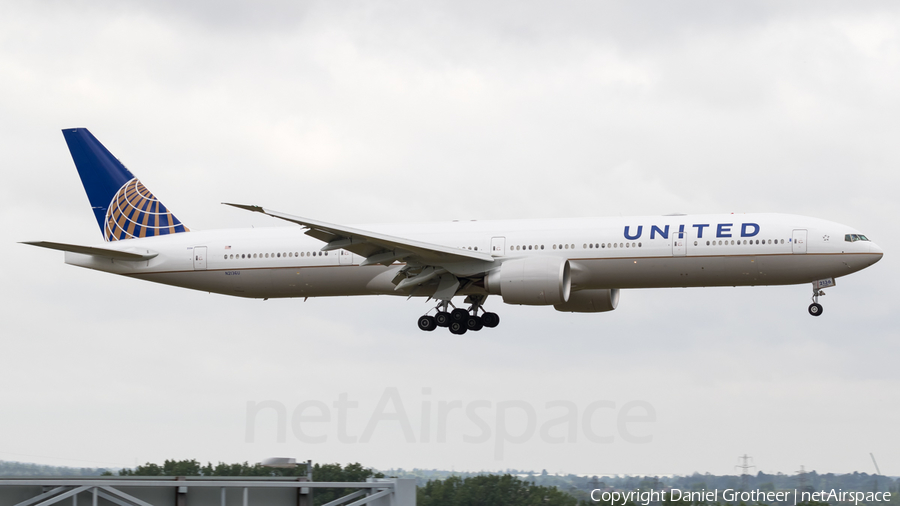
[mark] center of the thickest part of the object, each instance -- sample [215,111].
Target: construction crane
[877,471]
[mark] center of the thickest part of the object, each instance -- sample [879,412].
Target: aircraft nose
[874,248]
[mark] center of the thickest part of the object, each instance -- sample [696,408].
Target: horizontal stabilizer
[90,250]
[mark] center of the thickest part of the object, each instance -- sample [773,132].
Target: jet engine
[590,301]
[531,281]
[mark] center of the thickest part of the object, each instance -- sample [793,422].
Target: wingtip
[246,207]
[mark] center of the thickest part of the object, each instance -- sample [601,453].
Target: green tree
[490,490]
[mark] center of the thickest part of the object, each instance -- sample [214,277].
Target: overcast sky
[407,111]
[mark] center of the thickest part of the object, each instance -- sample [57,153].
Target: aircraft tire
[490,320]
[815,309]
[459,315]
[458,328]
[442,319]
[427,323]
[474,323]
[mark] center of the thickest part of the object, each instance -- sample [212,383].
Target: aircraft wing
[375,247]
[91,250]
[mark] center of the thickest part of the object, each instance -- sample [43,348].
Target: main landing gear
[460,320]
[815,308]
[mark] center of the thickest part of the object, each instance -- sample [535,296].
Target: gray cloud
[394,112]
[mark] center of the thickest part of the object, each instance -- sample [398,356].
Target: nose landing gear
[815,308]
[459,321]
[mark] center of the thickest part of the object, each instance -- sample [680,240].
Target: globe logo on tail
[135,212]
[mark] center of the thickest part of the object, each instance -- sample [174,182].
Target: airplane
[576,265]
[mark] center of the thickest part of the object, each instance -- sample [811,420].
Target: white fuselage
[622,252]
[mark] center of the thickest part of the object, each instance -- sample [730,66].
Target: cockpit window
[855,237]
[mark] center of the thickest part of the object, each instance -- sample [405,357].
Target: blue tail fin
[124,208]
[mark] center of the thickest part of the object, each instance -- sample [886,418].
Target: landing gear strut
[460,320]
[815,308]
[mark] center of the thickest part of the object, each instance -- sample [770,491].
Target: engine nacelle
[590,301]
[532,281]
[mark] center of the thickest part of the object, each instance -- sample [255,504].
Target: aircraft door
[199,258]
[679,242]
[798,241]
[346,258]
[498,246]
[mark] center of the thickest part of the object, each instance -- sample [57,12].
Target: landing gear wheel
[458,328]
[442,319]
[459,315]
[815,309]
[427,323]
[490,320]
[474,323]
